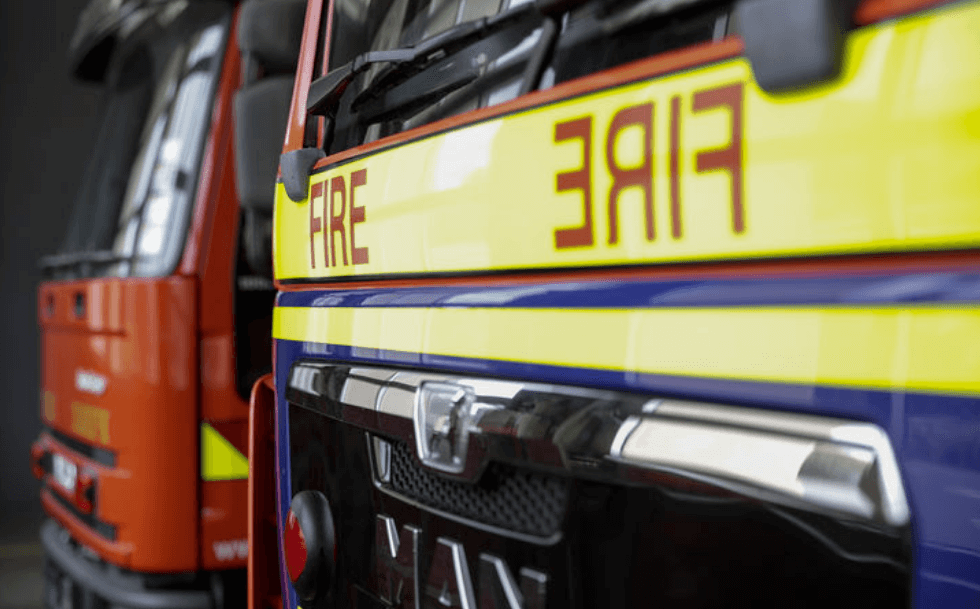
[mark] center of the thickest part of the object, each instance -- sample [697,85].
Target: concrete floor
[21,561]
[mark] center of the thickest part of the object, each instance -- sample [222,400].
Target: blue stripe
[915,288]
[284,484]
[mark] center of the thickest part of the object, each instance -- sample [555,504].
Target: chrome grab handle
[817,463]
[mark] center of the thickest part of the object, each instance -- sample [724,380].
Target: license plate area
[65,472]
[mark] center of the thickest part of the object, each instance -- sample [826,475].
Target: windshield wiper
[93,256]
[326,91]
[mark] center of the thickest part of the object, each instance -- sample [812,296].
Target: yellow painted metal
[48,406]
[220,460]
[90,422]
[861,347]
[885,159]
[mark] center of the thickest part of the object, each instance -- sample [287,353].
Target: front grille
[505,496]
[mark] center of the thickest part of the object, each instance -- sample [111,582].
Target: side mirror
[296,166]
[793,43]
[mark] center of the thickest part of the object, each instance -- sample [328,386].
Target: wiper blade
[383,106]
[391,96]
[645,10]
[325,92]
[73,258]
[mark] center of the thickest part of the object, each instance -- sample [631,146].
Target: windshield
[451,56]
[132,212]
[484,73]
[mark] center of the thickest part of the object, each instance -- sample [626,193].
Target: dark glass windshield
[484,73]
[517,50]
[132,212]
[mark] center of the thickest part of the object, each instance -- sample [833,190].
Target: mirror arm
[296,167]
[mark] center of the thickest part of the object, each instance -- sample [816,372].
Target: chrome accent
[302,378]
[627,428]
[443,414]
[506,581]
[363,385]
[830,463]
[821,464]
[625,431]
[460,575]
[398,395]
[396,575]
[381,457]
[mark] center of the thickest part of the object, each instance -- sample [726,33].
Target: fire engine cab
[155,314]
[618,303]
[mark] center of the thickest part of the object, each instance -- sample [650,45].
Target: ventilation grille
[506,497]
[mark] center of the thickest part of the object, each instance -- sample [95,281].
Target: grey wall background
[47,122]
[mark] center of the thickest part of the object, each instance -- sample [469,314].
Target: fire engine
[156,312]
[619,303]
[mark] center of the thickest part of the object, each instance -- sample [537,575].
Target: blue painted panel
[952,288]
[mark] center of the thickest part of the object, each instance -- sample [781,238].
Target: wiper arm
[73,258]
[326,91]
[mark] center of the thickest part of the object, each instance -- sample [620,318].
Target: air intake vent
[506,497]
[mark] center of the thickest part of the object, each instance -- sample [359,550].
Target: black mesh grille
[506,497]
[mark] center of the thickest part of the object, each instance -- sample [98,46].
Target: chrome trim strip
[461,573]
[823,464]
[503,576]
[626,430]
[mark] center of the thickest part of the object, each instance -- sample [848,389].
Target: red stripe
[852,265]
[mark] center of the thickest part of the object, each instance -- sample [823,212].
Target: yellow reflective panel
[869,347]
[220,460]
[49,406]
[90,422]
[698,165]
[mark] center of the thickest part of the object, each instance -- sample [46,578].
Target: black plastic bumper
[91,580]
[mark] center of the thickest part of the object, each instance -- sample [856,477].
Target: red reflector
[85,491]
[295,546]
[37,461]
[308,545]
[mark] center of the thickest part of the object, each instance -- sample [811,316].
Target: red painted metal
[294,546]
[138,334]
[165,349]
[263,559]
[851,265]
[872,11]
